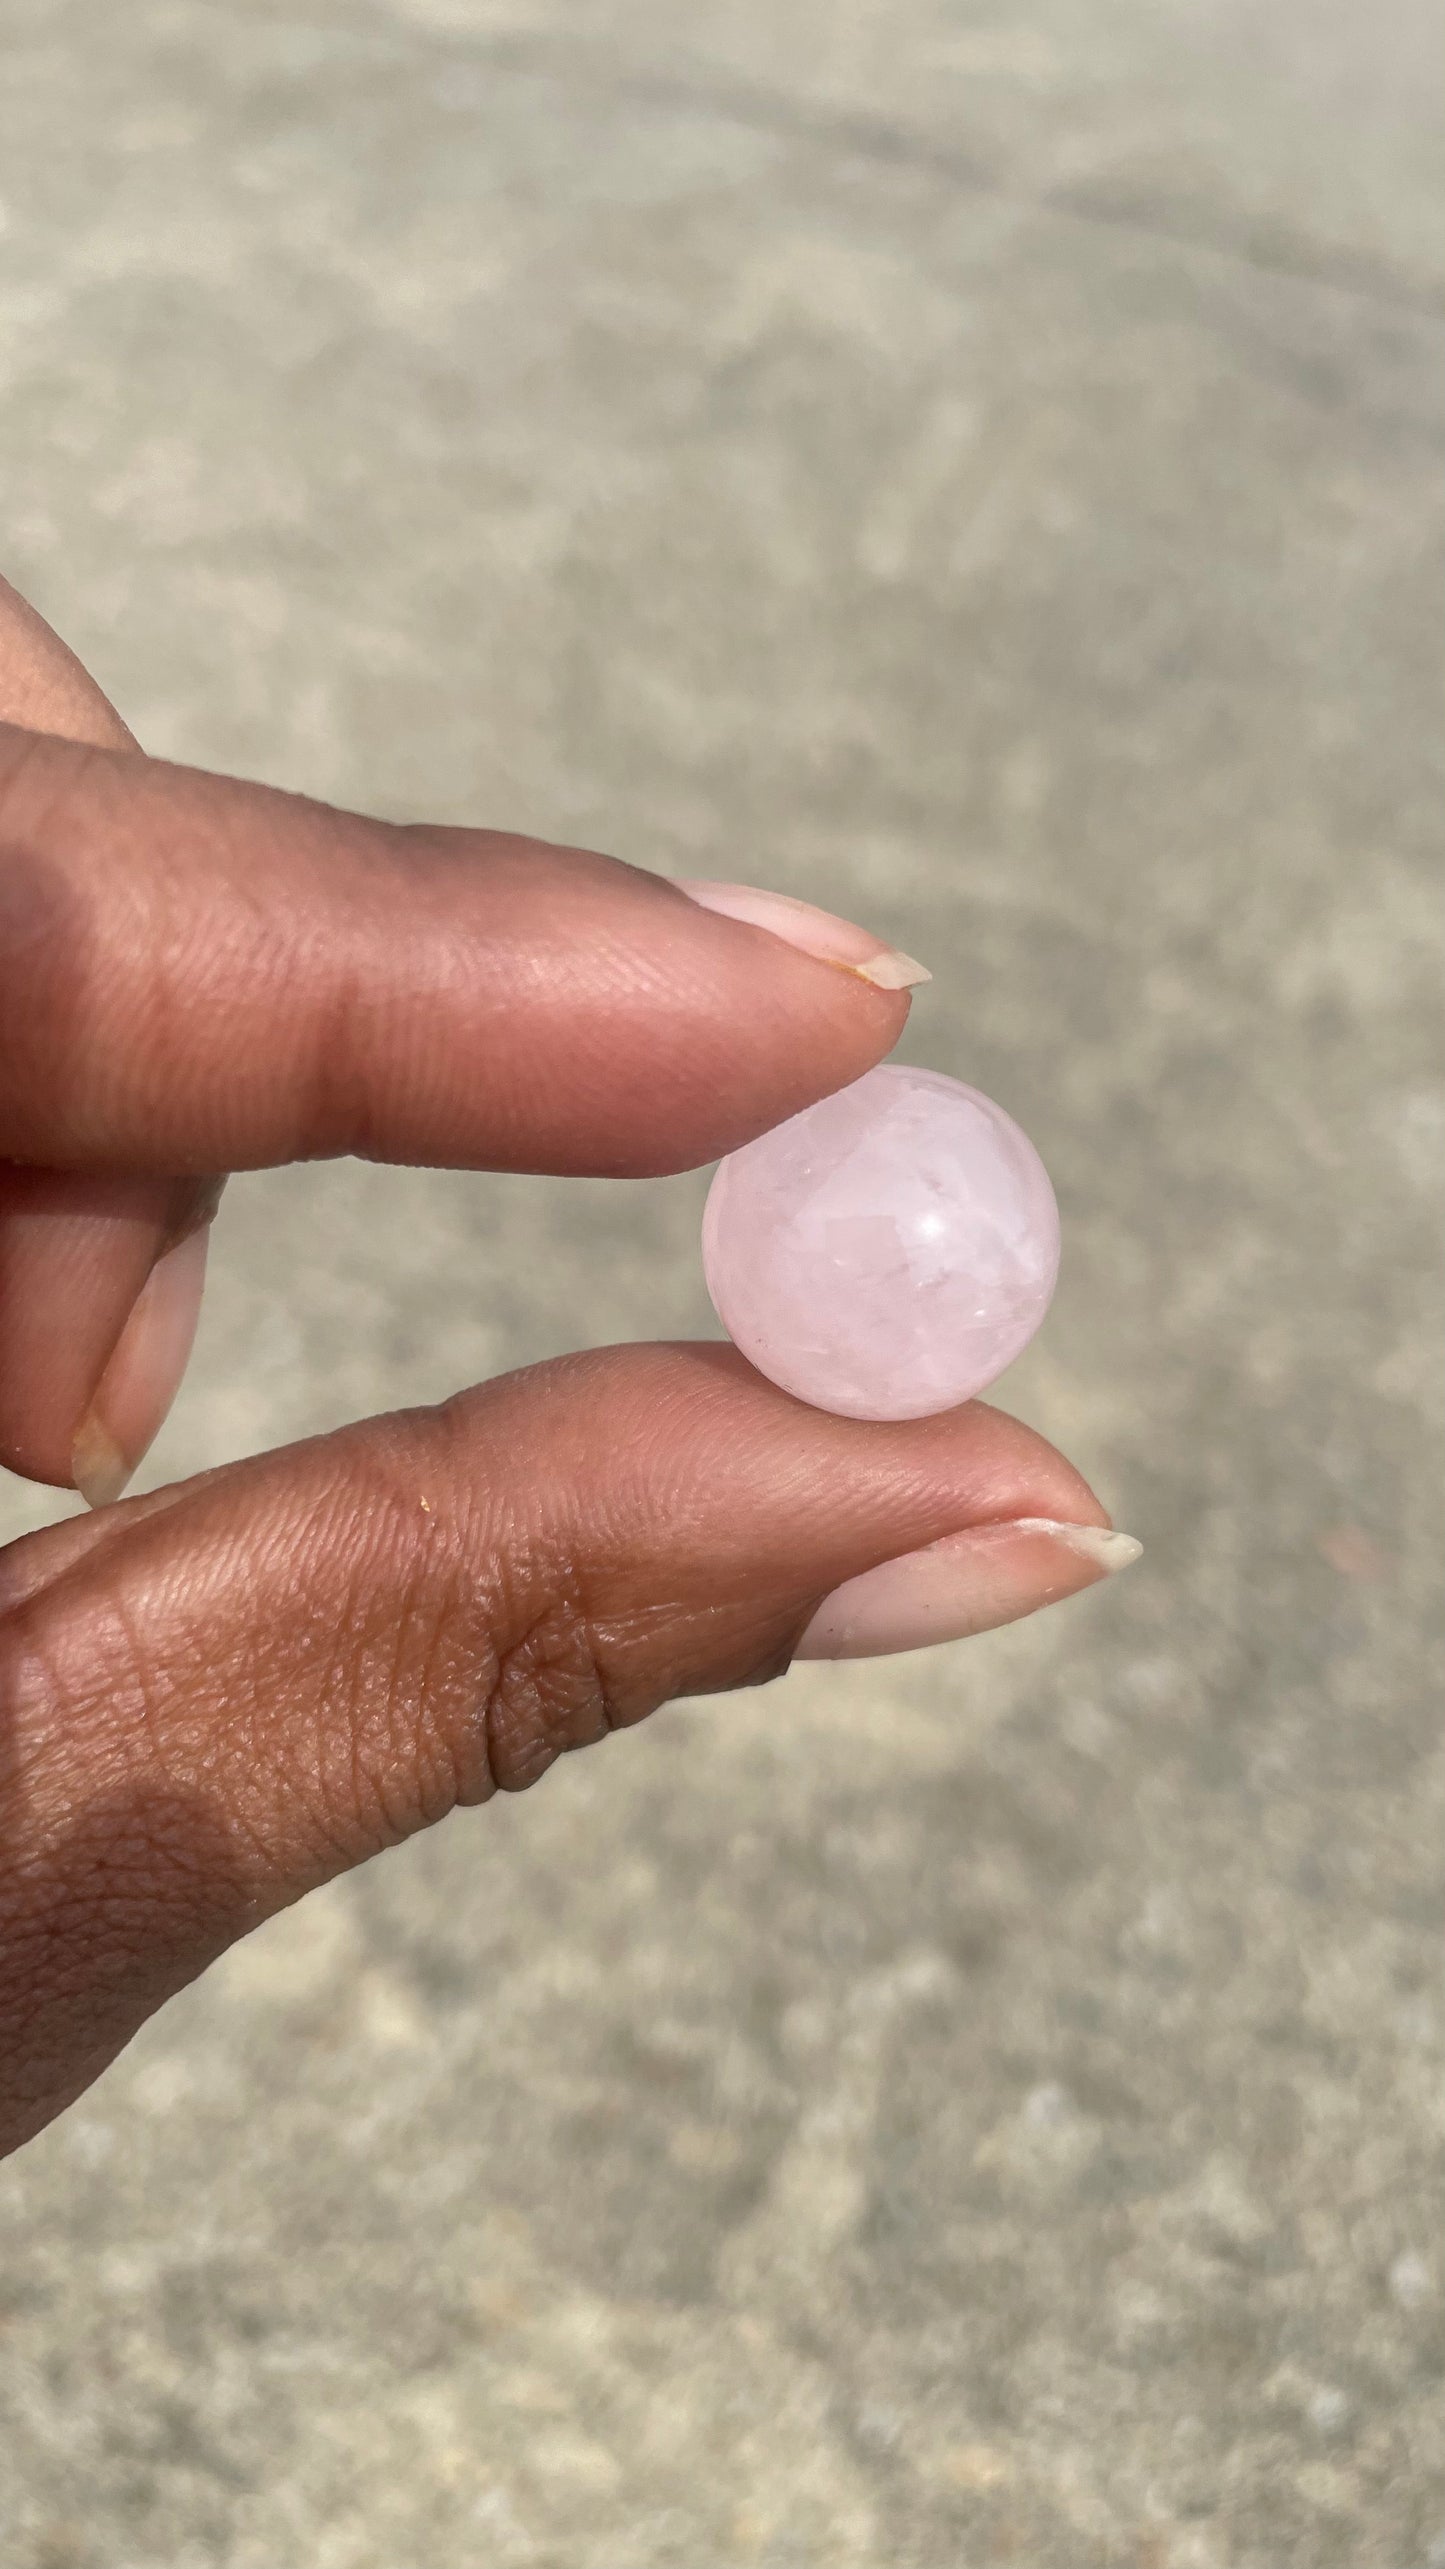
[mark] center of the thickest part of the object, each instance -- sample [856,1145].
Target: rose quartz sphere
[887,1252]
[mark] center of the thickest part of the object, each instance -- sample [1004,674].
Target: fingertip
[141,1380]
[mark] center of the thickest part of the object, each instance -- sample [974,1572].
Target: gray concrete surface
[980,467]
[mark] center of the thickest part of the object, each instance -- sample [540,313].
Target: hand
[214,1697]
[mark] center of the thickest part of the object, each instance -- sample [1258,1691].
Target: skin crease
[215,1697]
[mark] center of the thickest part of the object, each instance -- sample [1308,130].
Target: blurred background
[978,466]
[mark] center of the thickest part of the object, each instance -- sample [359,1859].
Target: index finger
[198,973]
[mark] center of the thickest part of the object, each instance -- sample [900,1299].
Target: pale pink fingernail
[143,1375]
[814,932]
[968,1583]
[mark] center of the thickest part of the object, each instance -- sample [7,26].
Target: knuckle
[551,1692]
[500,1660]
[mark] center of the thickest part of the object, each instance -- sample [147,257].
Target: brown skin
[218,1696]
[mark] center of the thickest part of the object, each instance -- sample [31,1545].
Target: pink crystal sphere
[887,1252]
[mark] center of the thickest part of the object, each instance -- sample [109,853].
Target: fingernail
[143,1375]
[814,932]
[968,1583]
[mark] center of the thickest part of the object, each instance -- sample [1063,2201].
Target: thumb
[225,1693]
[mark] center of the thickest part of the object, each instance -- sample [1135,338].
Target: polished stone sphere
[887,1252]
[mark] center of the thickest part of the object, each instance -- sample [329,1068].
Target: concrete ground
[980,467]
